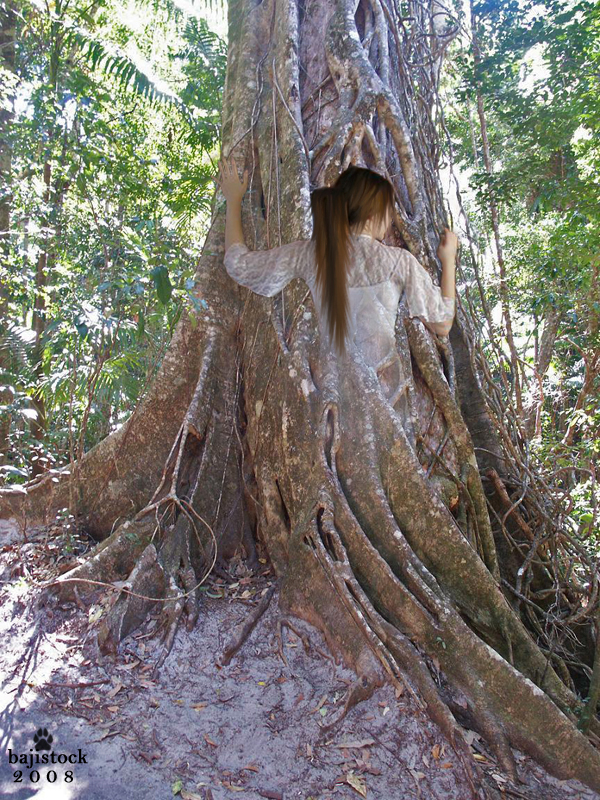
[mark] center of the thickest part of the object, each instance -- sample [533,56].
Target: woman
[355,280]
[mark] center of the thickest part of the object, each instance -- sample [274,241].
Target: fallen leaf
[425,760]
[416,774]
[470,736]
[114,709]
[252,767]
[131,665]
[150,757]
[479,757]
[435,751]
[185,795]
[117,688]
[106,733]
[447,765]
[358,783]
[357,743]
[209,740]
[94,614]
[199,705]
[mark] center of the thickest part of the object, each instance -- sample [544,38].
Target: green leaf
[162,282]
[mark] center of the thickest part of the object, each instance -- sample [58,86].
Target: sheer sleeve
[267,272]
[423,297]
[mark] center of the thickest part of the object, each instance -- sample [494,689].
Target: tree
[369,501]
[7,32]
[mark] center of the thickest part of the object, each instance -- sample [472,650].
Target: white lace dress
[377,276]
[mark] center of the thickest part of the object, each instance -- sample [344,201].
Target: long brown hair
[358,194]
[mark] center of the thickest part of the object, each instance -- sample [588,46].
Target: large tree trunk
[363,487]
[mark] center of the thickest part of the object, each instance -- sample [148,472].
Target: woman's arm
[233,223]
[233,190]
[265,272]
[434,305]
[446,251]
[448,291]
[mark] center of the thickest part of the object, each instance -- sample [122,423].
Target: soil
[251,729]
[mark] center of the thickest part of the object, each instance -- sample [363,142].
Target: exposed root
[360,690]
[286,623]
[391,583]
[128,610]
[394,650]
[192,611]
[172,611]
[245,628]
[111,560]
[494,733]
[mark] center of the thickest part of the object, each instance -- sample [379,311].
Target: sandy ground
[252,729]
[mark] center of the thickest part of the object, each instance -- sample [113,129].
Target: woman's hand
[448,245]
[230,184]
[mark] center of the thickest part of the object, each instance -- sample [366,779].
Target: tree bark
[369,501]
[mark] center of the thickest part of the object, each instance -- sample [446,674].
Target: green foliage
[113,141]
[537,80]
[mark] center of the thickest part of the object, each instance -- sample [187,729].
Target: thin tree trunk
[533,412]
[7,54]
[495,219]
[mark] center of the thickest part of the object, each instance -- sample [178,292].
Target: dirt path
[251,729]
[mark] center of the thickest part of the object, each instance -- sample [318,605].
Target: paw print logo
[42,739]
